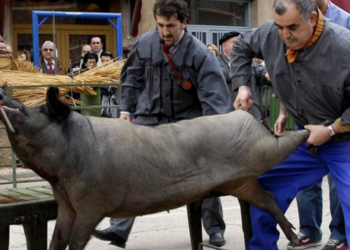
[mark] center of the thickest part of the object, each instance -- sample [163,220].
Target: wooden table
[31,207]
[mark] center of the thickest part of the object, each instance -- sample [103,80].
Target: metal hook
[7,121]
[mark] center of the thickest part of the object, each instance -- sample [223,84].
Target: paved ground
[169,231]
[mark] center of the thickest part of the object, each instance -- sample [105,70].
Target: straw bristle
[27,74]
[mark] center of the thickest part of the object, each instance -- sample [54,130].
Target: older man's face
[293,29]
[48,52]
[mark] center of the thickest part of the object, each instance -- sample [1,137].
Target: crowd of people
[169,73]
[92,55]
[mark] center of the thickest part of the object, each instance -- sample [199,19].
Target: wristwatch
[330,130]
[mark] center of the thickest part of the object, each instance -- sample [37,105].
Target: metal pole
[35,31]
[119,34]
[54,39]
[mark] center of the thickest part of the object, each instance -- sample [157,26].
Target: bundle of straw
[34,96]
[24,66]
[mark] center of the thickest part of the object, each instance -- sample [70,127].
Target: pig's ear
[57,109]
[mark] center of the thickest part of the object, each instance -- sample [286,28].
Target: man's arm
[247,46]
[132,81]
[212,89]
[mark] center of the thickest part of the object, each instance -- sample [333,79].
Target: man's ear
[313,18]
[57,109]
[184,23]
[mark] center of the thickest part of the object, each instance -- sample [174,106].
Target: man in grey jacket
[310,199]
[300,48]
[171,76]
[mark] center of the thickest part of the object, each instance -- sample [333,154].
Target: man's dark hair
[168,8]
[305,7]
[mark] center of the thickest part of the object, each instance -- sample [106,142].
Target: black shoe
[217,239]
[109,235]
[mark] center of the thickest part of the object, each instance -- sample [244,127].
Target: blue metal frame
[94,15]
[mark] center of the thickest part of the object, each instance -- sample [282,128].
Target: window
[220,12]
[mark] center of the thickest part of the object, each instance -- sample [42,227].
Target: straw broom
[27,75]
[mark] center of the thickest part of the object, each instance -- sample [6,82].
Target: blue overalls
[300,170]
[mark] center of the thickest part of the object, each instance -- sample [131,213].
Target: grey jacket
[153,92]
[315,87]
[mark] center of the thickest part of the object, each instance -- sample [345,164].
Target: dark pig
[108,167]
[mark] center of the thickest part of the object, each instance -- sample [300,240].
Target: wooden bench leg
[194,214]
[4,236]
[246,222]
[36,235]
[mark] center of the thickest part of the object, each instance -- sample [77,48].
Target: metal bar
[112,23]
[35,31]
[63,85]
[91,15]
[14,173]
[42,21]
[119,38]
[54,39]
[95,107]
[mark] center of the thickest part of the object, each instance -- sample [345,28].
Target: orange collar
[292,54]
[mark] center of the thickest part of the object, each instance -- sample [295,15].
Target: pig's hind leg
[249,190]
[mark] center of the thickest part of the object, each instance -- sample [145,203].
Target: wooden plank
[5,200]
[34,193]
[16,196]
[43,189]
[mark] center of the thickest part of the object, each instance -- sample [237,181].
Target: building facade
[209,20]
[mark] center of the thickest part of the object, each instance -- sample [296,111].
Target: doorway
[69,39]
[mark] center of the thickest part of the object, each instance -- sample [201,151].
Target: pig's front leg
[64,224]
[85,223]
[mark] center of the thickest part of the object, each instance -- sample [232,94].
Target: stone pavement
[169,231]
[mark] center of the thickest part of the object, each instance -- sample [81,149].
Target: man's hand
[125,117]
[281,122]
[243,99]
[318,135]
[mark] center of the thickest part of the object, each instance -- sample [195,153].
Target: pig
[100,167]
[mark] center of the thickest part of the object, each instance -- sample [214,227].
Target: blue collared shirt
[338,15]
